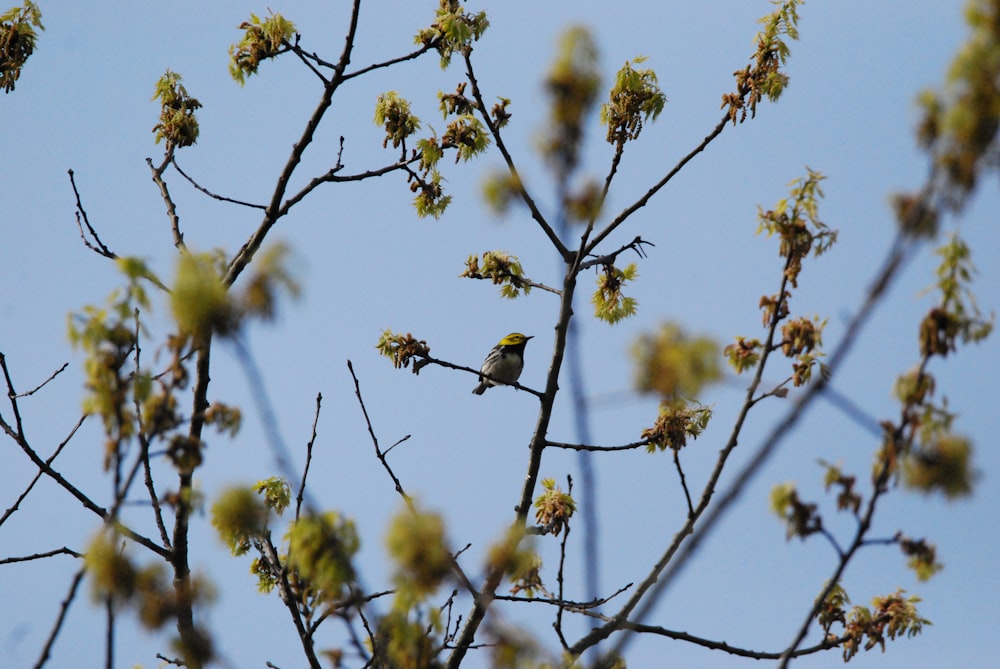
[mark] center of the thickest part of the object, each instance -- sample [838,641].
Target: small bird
[504,363]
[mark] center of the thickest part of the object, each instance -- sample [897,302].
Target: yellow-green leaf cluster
[890,616]
[634,98]
[467,135]
[796,222]
[572,86]
[676,421]
[17,41]
[922,557]
[502,269]
[553,508]
[610,304]
[801,518]
[321,549]
[402,348]
[744,354]
[943,463]
[452,30]
[959,128]
[275,492]
[146,589]
[240,517]
[416,541]
[262,39]
[199,299]
[178,124]
[393,113]
[520,563]
[673,364]
[763,77]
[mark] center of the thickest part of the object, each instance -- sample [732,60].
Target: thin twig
[680,472]
[536,213]
[45,382]
[214,196]
[63,610]
[38,475]
[309,451]
[41,556]
[83,220]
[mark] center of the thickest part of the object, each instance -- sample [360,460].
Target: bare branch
[525,196]
[63,610]
[82,220]
[40,556]
[309,453]
[45,382]
[215,196]
[644,200]
[175,221]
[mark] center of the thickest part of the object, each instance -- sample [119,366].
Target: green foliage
[468,135]
[553,508]
[320,549]
[800,340]
[610,304]
[763,78]
[405,641]
[108,337]
[890,616]
[960,123]
[943,463]
[634,98]
[178,125]
[199,300]
[430,199]
[797,224]
[146,589]
[402,348]
[923,557]
[502,269]
[572,84]
[17,41]
[270,275]
[847,498]
[801,519]
[416,541]
[225,418]
[275,492]
[393,113]
[673,364]
[518,561]
[957,317]
[452,30]
[744,354]
[677,420]
[240,517]
[262,39]
[833,608]
[500,189]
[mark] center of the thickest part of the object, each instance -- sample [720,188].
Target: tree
[156,438]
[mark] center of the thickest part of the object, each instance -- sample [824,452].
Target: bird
[503,363]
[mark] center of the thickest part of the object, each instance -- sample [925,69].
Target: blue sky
[366,263]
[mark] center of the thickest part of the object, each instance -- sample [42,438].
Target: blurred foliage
[673,364]
[572,85]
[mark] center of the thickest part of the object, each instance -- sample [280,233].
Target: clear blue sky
[367,263]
